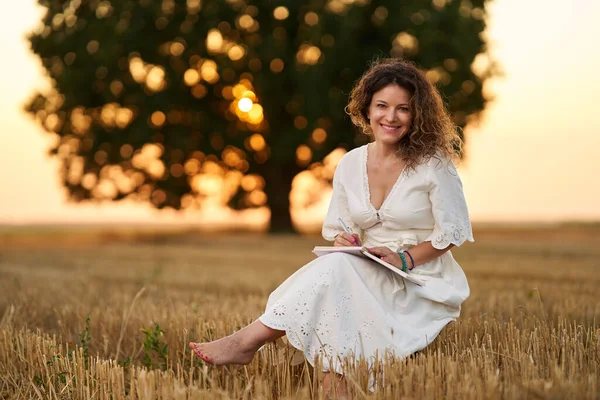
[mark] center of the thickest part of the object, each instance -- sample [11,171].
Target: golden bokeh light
[379,15]
[137,69]
[103,9]
[481,63]
[231,156]
[217,142]
[116,87]
[124,117]
[250,94]
[246,21]
[303,155]
[199,91]
[467,87]
[105,189]
[88,181]
[193,6]
[214,41]
[176,170]
[252,182]
[93,46]
[126,151]
[257,198]
[192,166]
[236,53]
[100,157]
[478,14]
[404,44]
[191,77]
[300,122]
[239,90]
[439,4]
[101,72]
[255,115]
[174,116]
[257,142]
[209,73]
[245,104]
[108,114]
[187,201]
[319,135]
[158,118]
[156,79]
[52,123]
[208,184]
[336,6]
[311,18]
[327,40]
[176,49]
[465,9]
[308,54]
[438,74]
[80,122]
[227,93]
[276,65]
[418,18]
[451,64]
[156,168]
[70,57]
[158,196]
[281,13]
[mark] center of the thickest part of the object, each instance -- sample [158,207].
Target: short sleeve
[338,208]
[449,207]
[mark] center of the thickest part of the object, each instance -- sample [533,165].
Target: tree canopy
[174,101]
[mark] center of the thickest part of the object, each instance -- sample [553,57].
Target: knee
[339,262]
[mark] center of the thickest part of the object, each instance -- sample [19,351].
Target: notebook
[363,252]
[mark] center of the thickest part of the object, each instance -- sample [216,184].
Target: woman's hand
[345,239]
[389,256]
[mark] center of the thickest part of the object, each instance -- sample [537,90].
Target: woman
[401,197]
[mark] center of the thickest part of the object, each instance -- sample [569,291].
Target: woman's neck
[385,152]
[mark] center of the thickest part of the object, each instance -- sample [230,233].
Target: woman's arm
[421,254]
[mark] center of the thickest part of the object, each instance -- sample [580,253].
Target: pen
[348,231]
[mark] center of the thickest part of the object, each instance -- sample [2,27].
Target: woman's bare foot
[335,387]
[238,348]
[228,350]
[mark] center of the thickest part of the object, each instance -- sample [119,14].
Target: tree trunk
[278,185]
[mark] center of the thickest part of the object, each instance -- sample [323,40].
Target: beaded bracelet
[412,261]
[403,261]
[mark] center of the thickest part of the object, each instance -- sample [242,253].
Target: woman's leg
[238,348]
[335,386]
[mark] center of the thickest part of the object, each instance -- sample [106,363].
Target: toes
[196,350]
[204,357]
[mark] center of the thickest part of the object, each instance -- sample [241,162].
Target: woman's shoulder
[438,161]
[352,158]
[441,168]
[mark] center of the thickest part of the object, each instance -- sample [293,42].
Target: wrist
[407,261]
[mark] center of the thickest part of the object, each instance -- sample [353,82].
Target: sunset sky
[534,157]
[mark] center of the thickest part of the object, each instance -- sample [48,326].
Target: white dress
[342,305]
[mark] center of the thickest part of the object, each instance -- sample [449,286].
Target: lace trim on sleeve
[455,234]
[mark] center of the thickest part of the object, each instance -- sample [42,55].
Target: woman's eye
[404,108]
[381,105]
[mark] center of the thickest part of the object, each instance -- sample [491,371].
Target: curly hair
[432,132]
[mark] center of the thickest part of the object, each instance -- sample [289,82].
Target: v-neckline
[368,187]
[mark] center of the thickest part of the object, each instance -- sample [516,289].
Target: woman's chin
[388,139]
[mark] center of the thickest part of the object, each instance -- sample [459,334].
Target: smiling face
[389,114]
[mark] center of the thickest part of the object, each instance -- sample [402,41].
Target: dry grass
[528,331]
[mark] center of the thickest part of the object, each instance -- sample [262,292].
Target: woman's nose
[391,116]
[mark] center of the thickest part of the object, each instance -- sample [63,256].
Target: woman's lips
[390,128]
